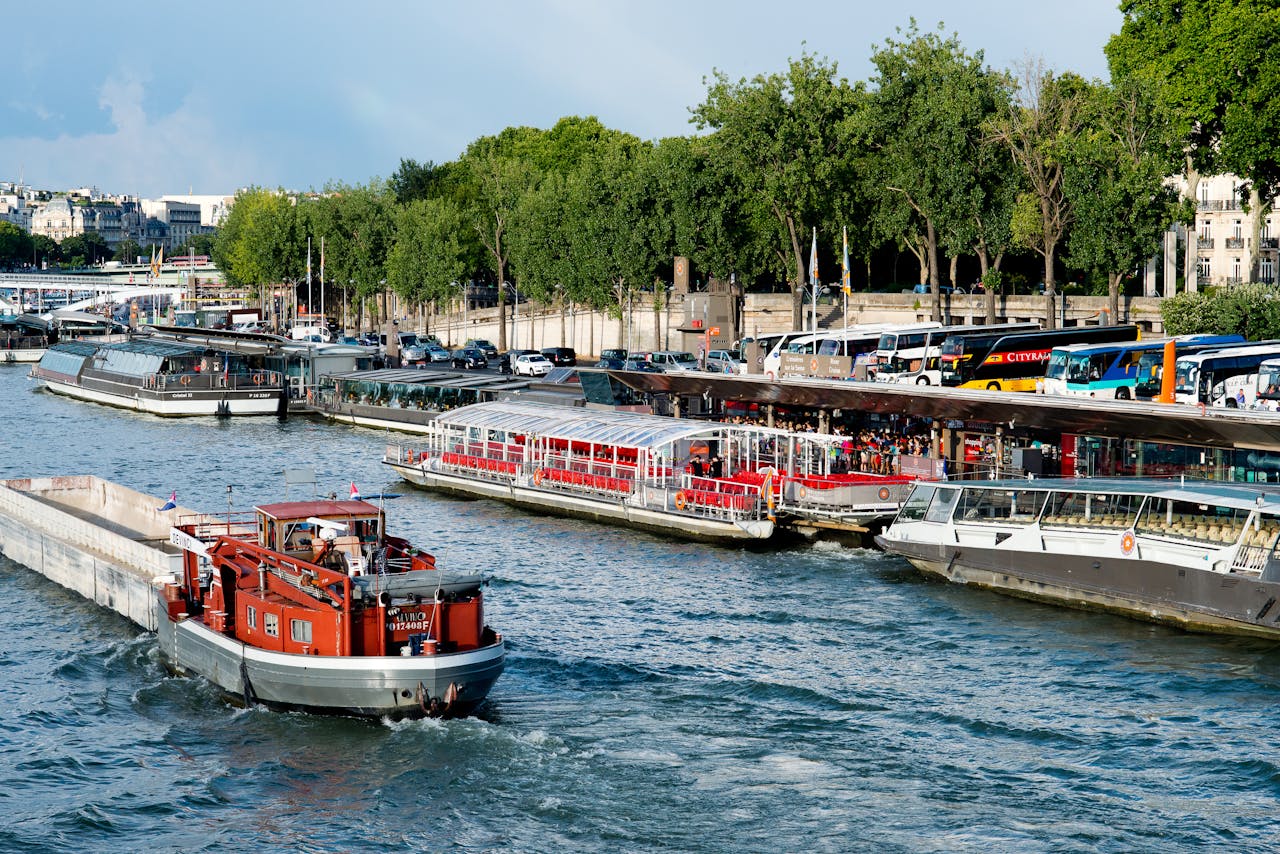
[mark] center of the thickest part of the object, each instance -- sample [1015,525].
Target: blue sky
[151,98]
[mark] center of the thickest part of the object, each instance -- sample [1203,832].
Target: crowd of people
[858,449]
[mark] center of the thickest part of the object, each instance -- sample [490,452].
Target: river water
[659,696]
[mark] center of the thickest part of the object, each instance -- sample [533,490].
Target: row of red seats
[832,481]
[713,498]
[479,463]
[591,481]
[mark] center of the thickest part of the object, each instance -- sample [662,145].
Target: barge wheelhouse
[1194,554]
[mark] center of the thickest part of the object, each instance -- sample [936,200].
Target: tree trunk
[657,316]
[931,259]
[797,288]
[1259,212]
[1050,289]
[1113,294]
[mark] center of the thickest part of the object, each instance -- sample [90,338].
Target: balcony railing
[1204,242]
[1218,205]
[1234,242]
[1270,242]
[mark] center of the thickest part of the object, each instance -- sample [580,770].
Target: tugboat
[312,606]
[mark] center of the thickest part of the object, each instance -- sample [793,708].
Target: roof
[303,509]
[155,347]
[1224,494]
[604,427]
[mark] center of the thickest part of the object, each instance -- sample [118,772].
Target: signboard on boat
[809,365]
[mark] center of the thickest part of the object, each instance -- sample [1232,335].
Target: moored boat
[311,605]
[162,377]
[1194,554]
[700,480]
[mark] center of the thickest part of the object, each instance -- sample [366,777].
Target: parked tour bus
[773,345]
[1267,391]
[1151,364]
[1110,371]
[1015,361]
[914,357]
[1225,377]
[824,342]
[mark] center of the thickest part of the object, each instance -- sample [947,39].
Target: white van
[311,333]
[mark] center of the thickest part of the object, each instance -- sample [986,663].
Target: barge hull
[391,686]
[170,405]
[1191,599]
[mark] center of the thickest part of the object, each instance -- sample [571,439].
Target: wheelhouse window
[251,617]
[917,502]
[942,505]
[300,631]
[271,625]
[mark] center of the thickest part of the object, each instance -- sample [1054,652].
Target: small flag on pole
[171,503]
[813,259]
[844,264]
[355,493]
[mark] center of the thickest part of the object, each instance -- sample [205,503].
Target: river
[659,696]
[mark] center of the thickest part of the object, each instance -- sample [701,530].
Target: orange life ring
[883,493]
[681,501]
[813,366]
[537,477]
[1126,543]
[411,458]
[186,379]
[1202,409]
[257,379]
[802,492]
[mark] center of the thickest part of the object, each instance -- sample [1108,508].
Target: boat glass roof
[1238,495]
[587,425]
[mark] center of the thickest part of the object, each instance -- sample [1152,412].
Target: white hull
[567,503]
[175,404]
[21,356]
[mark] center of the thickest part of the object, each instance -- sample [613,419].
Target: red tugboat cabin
[324,578]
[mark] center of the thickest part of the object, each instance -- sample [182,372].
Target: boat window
[942,505]
[300,631]
[1008,506]
[271,624]
[251,617]
[1188,520]
[913,508]
[1113,511]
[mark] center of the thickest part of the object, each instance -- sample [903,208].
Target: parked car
[641,365]
[669,361]
[413,354]
[481,344]
[507,359]
[436,353]
[612,359]
[469,357]
[532,365]
[561,356]
[726,362]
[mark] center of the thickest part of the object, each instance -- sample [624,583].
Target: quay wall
[643,328]
[107,550]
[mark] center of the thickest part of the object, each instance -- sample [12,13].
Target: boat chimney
[262,577]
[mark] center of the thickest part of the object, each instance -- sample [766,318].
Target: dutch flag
[355,493]
[171,503]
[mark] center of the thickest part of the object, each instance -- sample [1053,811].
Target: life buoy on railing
[681,501]
[802,492]
[537,477]
[1126,543]
[257,379]
[410,458]
[1202,408]
[186,379]
[883,493]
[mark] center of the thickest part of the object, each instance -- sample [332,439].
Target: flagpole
[322,276]
[310,308]
[813,281]
[844,286]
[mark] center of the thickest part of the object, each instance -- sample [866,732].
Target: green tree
[1114,181]
[1045,116]
[81,250]
[15,245]
[1249,310]
[924,122]
[44,249]
[128,251]
[783,138]
[1213,67]
[260,242]
[197,244]
[427,257]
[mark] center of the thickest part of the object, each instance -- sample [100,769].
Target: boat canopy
[1216,493]
[602,427]
[141,357]
[67,357]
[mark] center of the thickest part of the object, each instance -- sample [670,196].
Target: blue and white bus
[1225,377]
[1151,364]
[1112,371]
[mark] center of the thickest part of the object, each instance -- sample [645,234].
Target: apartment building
[1224,236]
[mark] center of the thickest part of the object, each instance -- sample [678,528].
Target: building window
[271,625]
[1202,270]
[1266,229]
[1266,271]
[1206,230]
[251,617]
[300,631]
[1235,269]
[1235,230]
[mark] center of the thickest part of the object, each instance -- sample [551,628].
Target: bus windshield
[1057,367]
[1185,376]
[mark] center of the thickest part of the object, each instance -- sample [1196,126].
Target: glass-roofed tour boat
[162,376]
[1199,555]
[696,479]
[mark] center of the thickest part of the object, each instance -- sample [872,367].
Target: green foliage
[260,241]
[1249,310]
[81,250]
[427,257]
[197,244]
[15,245]
[128,251]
